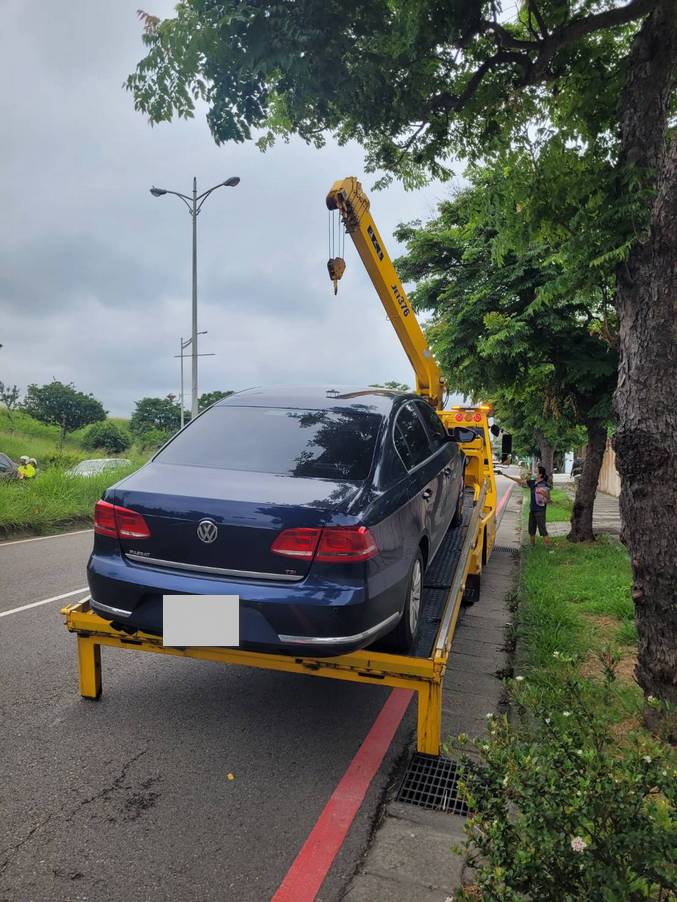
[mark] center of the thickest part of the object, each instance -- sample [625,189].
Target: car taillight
[104,519]
[346,545]
[299,543]
[334,544]
[119,522]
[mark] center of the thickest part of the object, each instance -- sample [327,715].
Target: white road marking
[58,535]
[36,604]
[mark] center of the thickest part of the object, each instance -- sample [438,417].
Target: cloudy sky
[95,273]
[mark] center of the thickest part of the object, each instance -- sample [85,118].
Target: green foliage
[211,397]
[159,414]
[9,396]
[503,325]
[571,799]
[562,809]
[106,435]
[410,81]
[62,405]
[52,500]
[152,439]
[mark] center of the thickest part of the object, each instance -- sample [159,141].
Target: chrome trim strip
[213,571]
[117,612]
[338,640]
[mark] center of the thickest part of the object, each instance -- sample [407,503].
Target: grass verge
[560,506]
[52,500]
[573,798]
[574,599]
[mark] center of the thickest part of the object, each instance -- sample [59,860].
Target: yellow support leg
[89,664]
[429,735]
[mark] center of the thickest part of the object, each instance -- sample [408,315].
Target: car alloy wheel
[415,596]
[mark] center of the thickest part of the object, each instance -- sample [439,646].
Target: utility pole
[194,203]
[182,347]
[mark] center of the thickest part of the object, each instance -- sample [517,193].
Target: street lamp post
[194,204]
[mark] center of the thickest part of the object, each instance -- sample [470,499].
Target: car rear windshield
[320,444]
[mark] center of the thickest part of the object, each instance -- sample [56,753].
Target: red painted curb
[306,875]
[502,503]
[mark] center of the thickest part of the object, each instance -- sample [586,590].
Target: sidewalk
[410,857]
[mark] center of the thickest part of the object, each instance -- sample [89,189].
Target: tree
[9,395]
[160,414]
[211,397]
[414,82]
[519,411]
[503,327]
[62,405]
[107,435]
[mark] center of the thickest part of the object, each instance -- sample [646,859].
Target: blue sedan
[319,508]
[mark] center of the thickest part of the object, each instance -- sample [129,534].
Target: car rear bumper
[308,617]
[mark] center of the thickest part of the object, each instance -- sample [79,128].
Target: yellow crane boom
[348,197]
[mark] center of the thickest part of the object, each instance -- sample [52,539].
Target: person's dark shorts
[537,518]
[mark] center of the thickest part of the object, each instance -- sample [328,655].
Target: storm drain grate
[506,549]
[431,782]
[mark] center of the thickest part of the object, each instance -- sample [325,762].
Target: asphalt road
[128,798]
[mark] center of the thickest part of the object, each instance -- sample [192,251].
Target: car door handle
[426,494]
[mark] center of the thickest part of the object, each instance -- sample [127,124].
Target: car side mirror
[462,434]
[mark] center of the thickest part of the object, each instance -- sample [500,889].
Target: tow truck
[453,577]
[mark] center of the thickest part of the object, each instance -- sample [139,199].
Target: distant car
[8,469]
[98,465]
[319,509]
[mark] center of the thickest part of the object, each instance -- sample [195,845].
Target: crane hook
[336,267]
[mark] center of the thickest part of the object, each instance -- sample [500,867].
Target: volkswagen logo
[207,531]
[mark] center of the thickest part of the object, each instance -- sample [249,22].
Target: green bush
[568,805]
[60,460]
[152,439]
[106,435]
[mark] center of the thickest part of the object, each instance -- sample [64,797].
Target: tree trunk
[646,436]
[547,451]
[586,490]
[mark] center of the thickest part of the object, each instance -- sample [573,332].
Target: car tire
[457,519]
[402,637]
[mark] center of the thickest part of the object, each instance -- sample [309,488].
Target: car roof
[326,397]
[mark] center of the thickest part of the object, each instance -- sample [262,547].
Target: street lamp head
[157,192]
[232,181]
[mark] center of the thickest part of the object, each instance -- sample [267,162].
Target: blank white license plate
[201,620]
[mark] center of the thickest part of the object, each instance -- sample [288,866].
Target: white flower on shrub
[578,844]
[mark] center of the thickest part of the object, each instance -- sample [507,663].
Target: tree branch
[454,102]
[578,28]
[521,53]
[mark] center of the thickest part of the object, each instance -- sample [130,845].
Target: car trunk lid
[223,522]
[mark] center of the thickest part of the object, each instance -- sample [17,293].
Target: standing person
[540,498]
